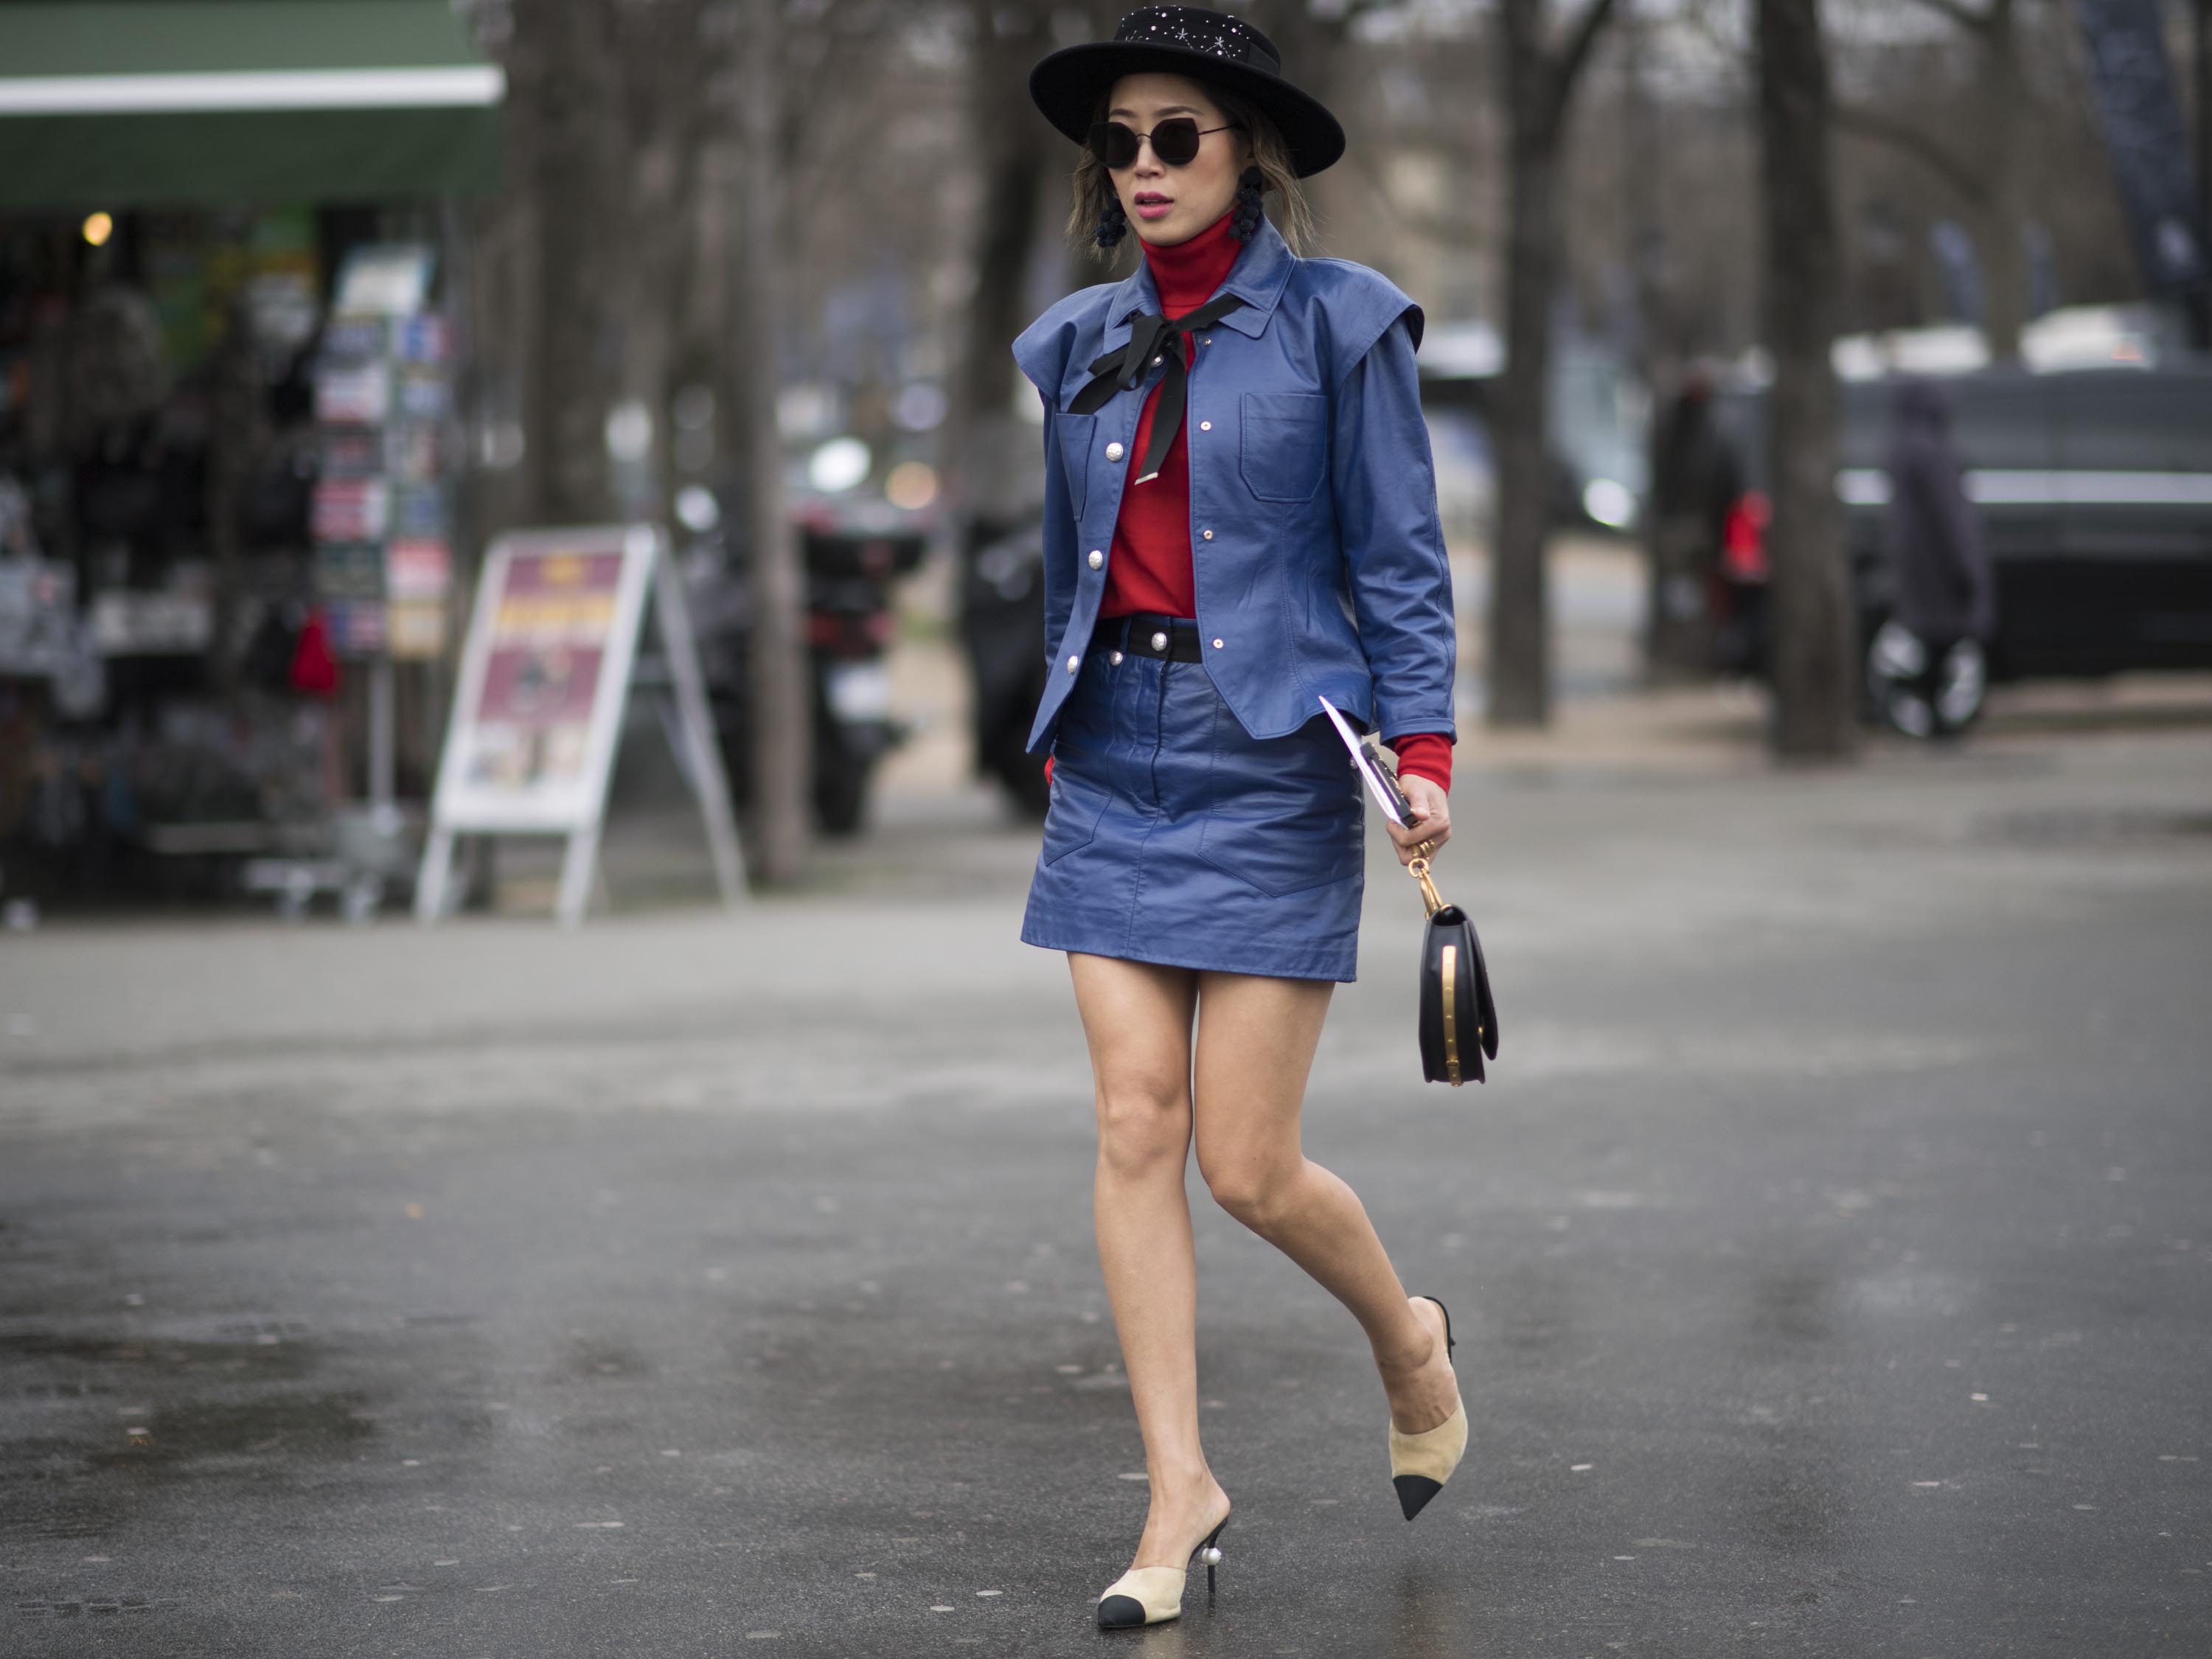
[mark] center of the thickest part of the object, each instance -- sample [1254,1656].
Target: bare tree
[782,706]
[2200,55]
[238,441]
[1539,82]
[1989,172]
[659,147]
[1013,154]
[1312,38]
[1813,655]
[670,57]
[565,105]
[612,108]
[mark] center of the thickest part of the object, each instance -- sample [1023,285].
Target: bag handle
[1417,868]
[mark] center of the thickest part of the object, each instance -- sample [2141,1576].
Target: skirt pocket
[1284,813]
[1071,818]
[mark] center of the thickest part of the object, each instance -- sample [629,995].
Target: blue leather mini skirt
[1174,836]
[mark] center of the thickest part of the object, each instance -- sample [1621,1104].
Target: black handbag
[1458,1019]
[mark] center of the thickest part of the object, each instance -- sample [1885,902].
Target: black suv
[2094,488]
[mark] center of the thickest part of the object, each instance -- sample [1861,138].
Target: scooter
[852,557]
[849,623]
[1002,626]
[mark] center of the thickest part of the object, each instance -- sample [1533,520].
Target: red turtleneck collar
[1187,272]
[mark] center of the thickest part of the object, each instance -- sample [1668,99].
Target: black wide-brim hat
[1206,46]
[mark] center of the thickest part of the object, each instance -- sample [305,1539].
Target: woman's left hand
[1431,817]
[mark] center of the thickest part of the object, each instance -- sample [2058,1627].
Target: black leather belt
[1148,634]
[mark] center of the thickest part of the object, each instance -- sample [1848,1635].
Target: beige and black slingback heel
[1152,1596]
[1421,1463]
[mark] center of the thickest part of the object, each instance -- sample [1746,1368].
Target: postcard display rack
[382,505]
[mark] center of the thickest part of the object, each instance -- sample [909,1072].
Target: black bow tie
[1151,339]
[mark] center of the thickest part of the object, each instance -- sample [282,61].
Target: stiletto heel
[1421,1463]
[1152,1596]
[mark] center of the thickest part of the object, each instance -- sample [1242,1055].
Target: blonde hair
[1093,185]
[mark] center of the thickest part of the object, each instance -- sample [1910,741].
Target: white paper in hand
[1380,784]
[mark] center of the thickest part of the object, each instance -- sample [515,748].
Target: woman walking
[1240,518]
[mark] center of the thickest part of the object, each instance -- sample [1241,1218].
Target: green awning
[146,103]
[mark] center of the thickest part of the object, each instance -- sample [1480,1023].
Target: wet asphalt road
[1831,1260]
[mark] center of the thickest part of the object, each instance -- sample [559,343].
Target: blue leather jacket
[1319,557]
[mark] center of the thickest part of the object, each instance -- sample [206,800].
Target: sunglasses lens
[1113,144]
[1175,142]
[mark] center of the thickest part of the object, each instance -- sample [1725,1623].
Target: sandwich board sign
[537,713]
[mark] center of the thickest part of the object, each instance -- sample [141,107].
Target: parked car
[2095,489]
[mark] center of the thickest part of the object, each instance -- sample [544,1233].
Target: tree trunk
[2002,212]
[1014,167]
[1538,85]
[1674,650]
[1013,162]
[1812,651]
[783,711]
[563,57]
[1520,622]
[1657,356]
[238,434]
[657,225]
[2201,53]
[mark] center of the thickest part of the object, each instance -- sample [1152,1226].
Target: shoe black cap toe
[1414,1491]
[1120,1611]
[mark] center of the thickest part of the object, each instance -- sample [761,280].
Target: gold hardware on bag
[1451,1013]
[1417,868]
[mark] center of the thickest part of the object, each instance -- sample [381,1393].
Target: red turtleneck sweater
[1150,567]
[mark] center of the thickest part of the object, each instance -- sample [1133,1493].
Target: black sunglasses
[1174,142]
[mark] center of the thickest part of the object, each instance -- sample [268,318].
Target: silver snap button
[1114,452]
[1097,558]
[1208,534]
[1115,659]
[1156,362]
[1073,663]
[1217,645]
[1208,340]
[1206,426]
[1159,641]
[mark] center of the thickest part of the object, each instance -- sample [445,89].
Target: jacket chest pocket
[1283,451]
[1076,432]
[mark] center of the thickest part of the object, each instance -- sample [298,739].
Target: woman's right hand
[1431,817]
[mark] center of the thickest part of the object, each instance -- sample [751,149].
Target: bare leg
[1137,1020]
[1256,1038]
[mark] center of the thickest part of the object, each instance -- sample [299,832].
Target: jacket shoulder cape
[1351,305]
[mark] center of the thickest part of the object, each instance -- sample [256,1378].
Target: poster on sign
[545,671]
[543,674]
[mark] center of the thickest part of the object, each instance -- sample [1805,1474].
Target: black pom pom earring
[1112,223]
[1251,190]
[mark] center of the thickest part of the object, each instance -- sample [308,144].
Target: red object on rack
[315,670]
